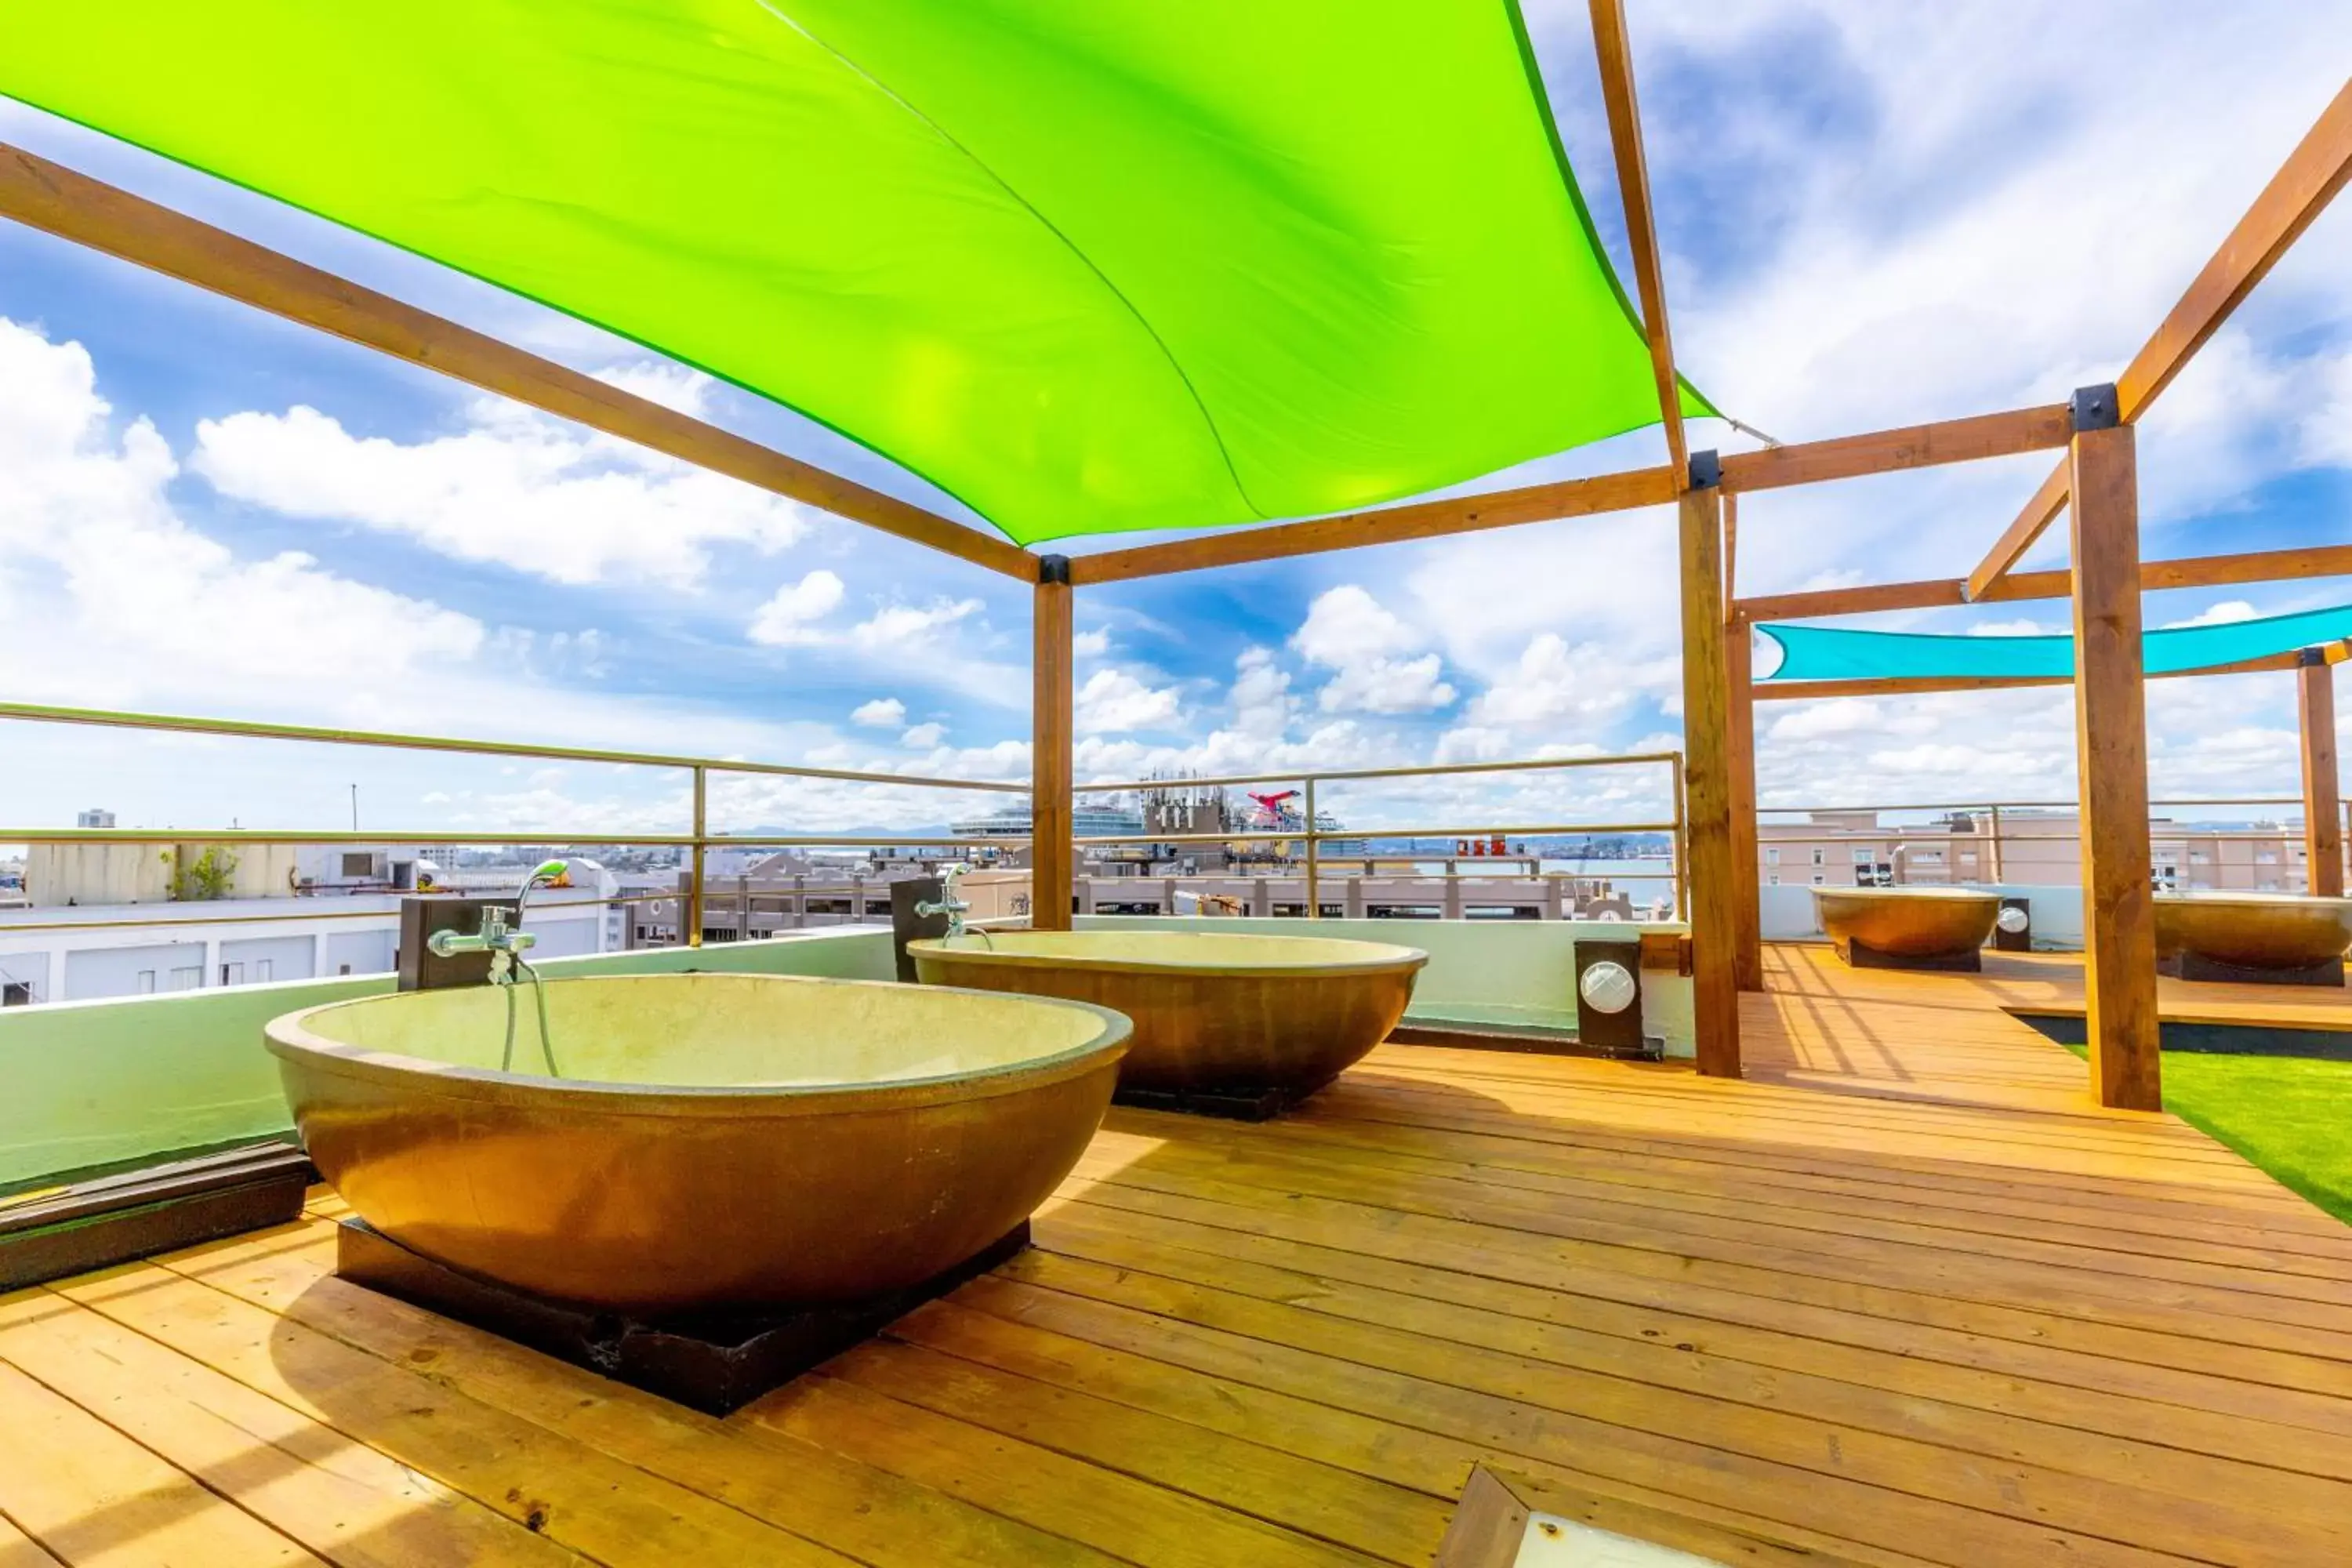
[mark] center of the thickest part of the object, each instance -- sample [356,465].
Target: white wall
[1519,972]
[1789,915]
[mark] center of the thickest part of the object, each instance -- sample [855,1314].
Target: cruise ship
[1086,822]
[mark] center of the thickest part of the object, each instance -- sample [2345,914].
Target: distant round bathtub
[1215,1013]
[2280,931]
[714,1139]
[1908,922]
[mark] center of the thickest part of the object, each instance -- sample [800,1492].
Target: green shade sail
[1839,653]
[1088,264]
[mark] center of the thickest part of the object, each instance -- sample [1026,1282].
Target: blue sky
[1871,214]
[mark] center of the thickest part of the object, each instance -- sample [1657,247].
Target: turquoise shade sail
[1837,653]
[1086,265]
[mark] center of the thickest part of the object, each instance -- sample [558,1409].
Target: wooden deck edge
[137,1213]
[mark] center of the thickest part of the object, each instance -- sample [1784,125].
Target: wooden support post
[1740,736]
[2110,755]
[1707,780]
[2323,793]
[1051,854]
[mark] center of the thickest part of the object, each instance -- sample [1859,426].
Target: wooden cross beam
[2298,192]
[55,199]
[1614,53]
[2191,572]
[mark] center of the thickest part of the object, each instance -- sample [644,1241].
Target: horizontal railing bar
[2030,804]
[727,900]
[442,835]
[10,928]
[251,729]
[1429,771]
[1328,836]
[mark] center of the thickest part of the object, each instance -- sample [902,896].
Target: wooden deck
[1903,1297]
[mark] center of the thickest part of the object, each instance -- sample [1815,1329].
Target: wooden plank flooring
[1904,1296]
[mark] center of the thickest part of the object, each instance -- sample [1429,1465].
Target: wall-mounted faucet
[947,903]
[501,936]
[506,941]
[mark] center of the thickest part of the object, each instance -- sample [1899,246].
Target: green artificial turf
[2290,1115]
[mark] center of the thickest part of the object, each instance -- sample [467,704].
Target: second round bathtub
[1215,1013]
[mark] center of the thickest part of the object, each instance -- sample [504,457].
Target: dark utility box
[907,926]
[2020,940]
[419,918]
[1613,1034]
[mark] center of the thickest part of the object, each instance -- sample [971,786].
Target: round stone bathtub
[712,1140]
[1215,1013]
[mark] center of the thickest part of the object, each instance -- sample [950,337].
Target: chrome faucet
[947,903]
[501,936]
[506,941]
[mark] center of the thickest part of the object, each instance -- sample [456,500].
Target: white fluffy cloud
[924,737]
[1367,646]
[114,591]
[1111,701]
[514,487]
[881,713]
[789,618]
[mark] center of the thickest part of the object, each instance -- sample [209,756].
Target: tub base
[1231,1104]
[1861,955]
[2197,966]
[712,1361]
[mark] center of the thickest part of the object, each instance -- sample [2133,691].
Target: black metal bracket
[2096,408]
[1705,469]
[1053,569]
[2310,656]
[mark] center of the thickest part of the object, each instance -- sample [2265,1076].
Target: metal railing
[697,842]
[1312,837]
[1998,835]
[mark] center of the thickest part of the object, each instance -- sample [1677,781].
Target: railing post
[2111,751]
[1314,839]
[694,872]
[2000,871]
[1707,779]
[1678,846]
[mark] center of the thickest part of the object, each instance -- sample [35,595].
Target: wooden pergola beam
[1624,491]
[1613,51]
[2323,787]
[2309,179]
[2111,773]
[1053,854]
[2190,572]
[1923,685]
[2040,510]
[2300,191]
[55,200]
[2003,435]
[1803,462]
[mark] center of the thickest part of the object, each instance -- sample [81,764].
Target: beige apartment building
[2018,848]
